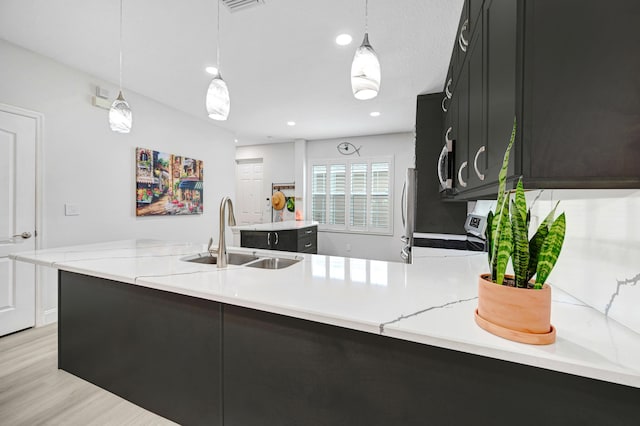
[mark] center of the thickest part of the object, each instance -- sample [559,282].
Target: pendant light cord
[366,16]
[218,39]
[120,45]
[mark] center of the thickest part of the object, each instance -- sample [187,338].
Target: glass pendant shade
[365,71]
[218,101]
[120,115]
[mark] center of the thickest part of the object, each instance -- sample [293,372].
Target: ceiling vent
[237,5]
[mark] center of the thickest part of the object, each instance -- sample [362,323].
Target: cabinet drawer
[306,232]
[307,244]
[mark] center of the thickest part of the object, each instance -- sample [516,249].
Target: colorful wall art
[167,184]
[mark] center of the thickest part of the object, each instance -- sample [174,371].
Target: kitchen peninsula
[328,340]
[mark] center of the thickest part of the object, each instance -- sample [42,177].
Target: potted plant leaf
[518,307]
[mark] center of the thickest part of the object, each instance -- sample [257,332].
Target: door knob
[24,235]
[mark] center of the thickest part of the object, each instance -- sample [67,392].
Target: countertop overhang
[431,301]
[276,226]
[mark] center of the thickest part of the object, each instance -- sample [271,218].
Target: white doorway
[19,136]
[249,191]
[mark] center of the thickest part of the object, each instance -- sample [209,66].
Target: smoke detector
[236,5]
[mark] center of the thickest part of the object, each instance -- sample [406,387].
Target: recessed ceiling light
[211,70]
[291,123]
[344,39]
[375,114]
[235,140]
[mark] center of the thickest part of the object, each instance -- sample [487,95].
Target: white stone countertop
[276,226]
[431,301]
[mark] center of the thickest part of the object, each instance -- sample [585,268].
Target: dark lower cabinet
[286,371]
[199,362]
[159,350]
[302,240]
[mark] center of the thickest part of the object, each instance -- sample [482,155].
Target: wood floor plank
[34,392]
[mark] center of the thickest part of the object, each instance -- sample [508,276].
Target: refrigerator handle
[403,206]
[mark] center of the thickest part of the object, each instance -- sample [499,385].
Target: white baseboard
[49,316]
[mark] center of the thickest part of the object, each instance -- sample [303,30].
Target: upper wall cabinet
[568,71]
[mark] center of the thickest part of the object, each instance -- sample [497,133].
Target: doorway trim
[39,202]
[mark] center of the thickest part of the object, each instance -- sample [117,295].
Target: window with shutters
[353,195]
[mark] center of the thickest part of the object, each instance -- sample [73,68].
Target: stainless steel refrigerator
[408,209]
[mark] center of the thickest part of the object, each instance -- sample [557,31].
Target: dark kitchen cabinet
[433,215]
[255,239]
[568,72]
[580,95]
[499,76]
[303,240]
[476,168]
[461,135]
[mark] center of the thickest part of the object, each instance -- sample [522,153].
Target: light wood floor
[34,392]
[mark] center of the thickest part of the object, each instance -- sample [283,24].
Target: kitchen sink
[272,263]
[234,258]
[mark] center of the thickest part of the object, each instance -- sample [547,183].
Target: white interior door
[17,220]
[249,197]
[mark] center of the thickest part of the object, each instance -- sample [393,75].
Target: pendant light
[120,116]
[365,69]
[218,101]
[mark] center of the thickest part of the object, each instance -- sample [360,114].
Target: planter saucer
[517,336]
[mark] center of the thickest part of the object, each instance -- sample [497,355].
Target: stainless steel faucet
[222,243]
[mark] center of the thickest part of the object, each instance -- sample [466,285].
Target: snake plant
[508,235]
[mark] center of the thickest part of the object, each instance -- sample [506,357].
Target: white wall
[600,260]
[279,167]
[379,247]
[87,164]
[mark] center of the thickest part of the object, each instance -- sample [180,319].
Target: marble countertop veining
[431,301]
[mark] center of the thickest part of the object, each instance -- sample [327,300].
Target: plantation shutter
[380,196]
[352,196]
[337,186]
[319,193]
[358,205]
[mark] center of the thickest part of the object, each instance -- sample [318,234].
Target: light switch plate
[71,210]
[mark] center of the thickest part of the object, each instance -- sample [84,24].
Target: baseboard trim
[49,316]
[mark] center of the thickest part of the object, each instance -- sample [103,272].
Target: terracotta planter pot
[519,314]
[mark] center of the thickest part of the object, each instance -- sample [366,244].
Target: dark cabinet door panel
[255,239]
[500,53]
[477,154]
[432,213]
[461,172]
[285,240]
[584,98]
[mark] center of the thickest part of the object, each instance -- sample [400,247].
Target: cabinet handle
[448,146]
[461,41]
[446,89]
[462,182]
[309,231]
[444,151]
[268,238]
[475,162]
[276,237]
[447,139]
[444,108]
[307,245]
[402,202]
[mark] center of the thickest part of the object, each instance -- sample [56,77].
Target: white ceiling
[279,59]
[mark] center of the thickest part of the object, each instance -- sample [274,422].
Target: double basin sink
[243,259]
